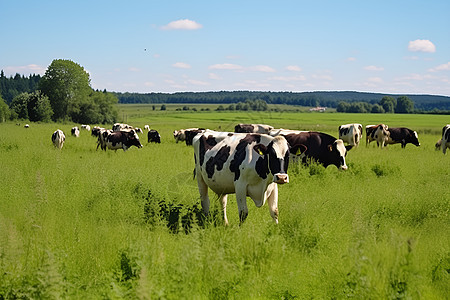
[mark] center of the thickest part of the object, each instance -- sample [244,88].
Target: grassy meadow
[85,224]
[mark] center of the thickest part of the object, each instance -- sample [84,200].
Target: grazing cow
[153,136]
[58,139]
[75,131]
[351,134]
[147,127]
[438,144]
[281,131]
[189,134]
[445,138]
[252,128]
[26,126]
[122,140]
[96,131]
[101,138]
[122,127]
[138,130]
[402,135]
[86,127]
[321,147]
[246,164]
[377,133]
[180,135]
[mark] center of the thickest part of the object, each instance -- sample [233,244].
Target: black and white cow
[86,127]
[153,136]
[403,136]
[245,164]
[252,128]
[58,138]
[351,133]
[445,142]
[122,140]
[321,147]
[75,131]
[96,131]
[378,133]
[122,127]
[180,135]
[101,138]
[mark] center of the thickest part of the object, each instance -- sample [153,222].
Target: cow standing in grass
[58,138]
[246,164]
[445,141]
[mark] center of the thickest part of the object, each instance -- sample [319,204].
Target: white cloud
[197,82]
[133,69]
[373,68]
[323,77]
[214,76]
[375,80]
[148,83]
[264,69]
[225,67]
[184,24]
[443,67]
[351,59]
[293,68]
[28,69]
[421,46]
[181,65]
[288,78]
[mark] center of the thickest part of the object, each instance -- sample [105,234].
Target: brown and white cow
[75,131]
[445,138]
[58,138]
[378,133]
[318,146]
[351,133]
[245,164]
[252,128]
[403,136]
[122,140]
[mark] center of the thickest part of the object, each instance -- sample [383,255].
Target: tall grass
[81,223]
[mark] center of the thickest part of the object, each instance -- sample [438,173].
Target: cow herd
[254,159]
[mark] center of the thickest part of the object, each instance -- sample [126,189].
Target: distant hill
[328,99]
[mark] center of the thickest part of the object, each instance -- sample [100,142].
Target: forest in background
[345,101]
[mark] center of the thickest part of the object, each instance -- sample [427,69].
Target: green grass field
[85,224]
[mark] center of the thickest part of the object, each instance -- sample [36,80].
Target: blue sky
[171,46]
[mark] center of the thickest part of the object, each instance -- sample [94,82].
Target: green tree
[377,109]
[342,106]
[39,107]
[388,103]
[404,105]
[67,85]
[4,110]
[20,106]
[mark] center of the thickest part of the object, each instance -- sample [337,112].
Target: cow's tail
[194,174]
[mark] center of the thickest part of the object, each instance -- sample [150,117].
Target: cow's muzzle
[343,167]
[281,178]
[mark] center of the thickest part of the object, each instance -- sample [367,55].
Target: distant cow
[351,134]
[96,131]
[86,127]
[252,128]
[153,136]
[26,126]
[246,164]
[122,127]
[180,135]
[138,130]
[321,147]
[147,127]
[122,140]
[403,136]
[58,138]
[378,133]
[75,131]
[445,138]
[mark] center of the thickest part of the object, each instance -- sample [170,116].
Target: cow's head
[415,139]
[338,152]
[133,138]
[276,154]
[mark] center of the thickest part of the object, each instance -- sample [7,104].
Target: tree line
[64,93]
[387,104]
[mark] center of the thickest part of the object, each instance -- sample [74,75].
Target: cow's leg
[223,200]
[203,190]
[241,199]
[272,202]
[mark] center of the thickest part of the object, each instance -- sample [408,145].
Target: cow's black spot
[217,160]
[205,144]
[344,131]
[240,153]
[261,167]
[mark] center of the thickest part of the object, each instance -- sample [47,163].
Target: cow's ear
[349,147]
[260,149]
[330,147]
[298,149]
